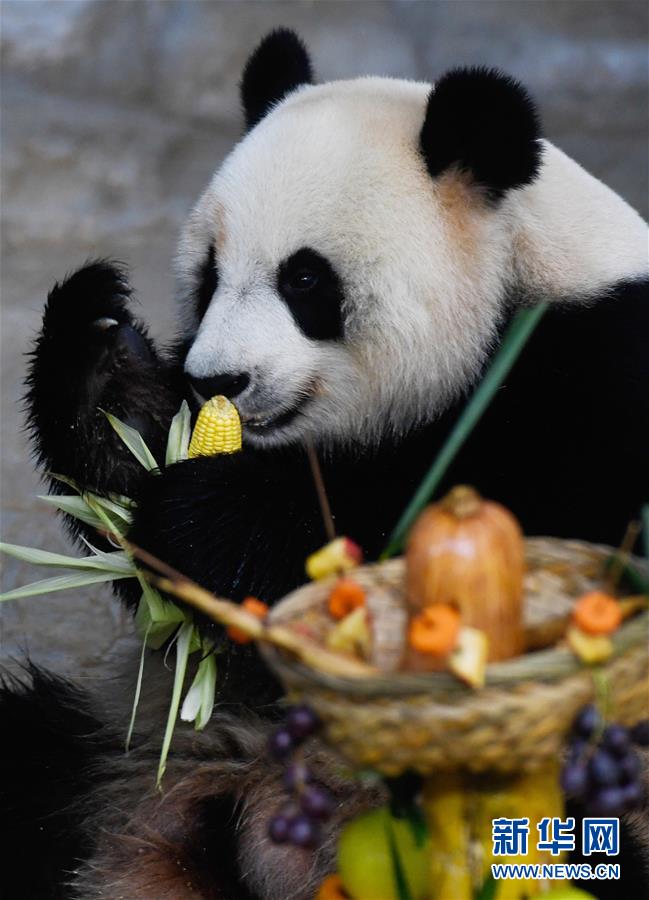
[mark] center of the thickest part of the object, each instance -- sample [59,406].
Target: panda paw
[87,319]
[92,355]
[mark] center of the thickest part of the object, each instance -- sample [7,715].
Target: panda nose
[226,384]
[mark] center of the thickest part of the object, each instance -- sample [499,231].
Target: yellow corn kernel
[217,429]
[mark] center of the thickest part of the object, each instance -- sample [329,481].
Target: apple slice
[469,658]
[351,634]
[590,648]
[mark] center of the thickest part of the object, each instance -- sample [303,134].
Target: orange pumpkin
[469,553]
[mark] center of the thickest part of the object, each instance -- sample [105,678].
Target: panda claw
[104,323]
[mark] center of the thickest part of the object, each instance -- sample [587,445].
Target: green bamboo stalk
[513,342]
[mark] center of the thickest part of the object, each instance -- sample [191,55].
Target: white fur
[425,264]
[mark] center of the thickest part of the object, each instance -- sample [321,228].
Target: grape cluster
[310,803]
[603,767]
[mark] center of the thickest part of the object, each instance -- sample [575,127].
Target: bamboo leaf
[134,441]
[74,506]
[60,583]
[513,342]
[179,435]
[117,559]
[182,655]
[164,621]
[105,562]
[199,701]
[114,509]
[138,690]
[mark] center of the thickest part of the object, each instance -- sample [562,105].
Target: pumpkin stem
[462,501]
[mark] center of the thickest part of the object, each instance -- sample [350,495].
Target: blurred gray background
[115,113]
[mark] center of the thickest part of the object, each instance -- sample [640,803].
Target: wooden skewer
[227,613]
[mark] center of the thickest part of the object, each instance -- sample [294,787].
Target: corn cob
[217,429]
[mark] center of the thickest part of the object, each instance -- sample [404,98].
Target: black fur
[314,294]
[50,738]
[483,122]
[279,65]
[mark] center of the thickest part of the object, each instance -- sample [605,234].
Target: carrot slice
[332,889]
[346,596]
[258,609]
[597,613]
[435,629]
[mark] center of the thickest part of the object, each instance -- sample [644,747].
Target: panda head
[344,274]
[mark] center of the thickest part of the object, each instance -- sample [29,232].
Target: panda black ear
[279,65]
[485,123]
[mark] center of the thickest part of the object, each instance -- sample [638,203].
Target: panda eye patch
[313,292]
[303,280]
[207,281]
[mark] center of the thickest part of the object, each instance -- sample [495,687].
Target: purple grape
[281,744]
[640,733]
[304,832]
[587,721]
[616,739]
[575,780]
[632,795]
[630,767]
[316,802]
[603,769]
[278,828]
[302,722]
[608,801]
[576,749]
[296,775]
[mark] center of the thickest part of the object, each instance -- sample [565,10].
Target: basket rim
[546,665]
[539,666]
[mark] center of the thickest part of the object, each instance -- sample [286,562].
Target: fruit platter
[483,678]
[501,671]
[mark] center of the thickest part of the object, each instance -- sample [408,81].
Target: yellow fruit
[365,862]
[351,634]
[468,660]
[590,648]
[217,429]
[337,556]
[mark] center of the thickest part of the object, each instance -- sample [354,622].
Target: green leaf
[179,435]
[74,506]
[114,509]
[487,890]
[60,583]
[513,342]
[399,874]
[182,655]
[199,701]
[113,559]
[156,617]
[116,562]
[134,441]
[138,690]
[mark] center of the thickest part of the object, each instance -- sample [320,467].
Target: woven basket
[431,722]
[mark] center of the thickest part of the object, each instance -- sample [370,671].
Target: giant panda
[345,279]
